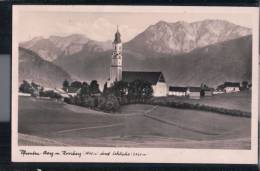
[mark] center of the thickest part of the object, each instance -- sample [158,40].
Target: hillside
[213,64]
[33,68]
[182,37]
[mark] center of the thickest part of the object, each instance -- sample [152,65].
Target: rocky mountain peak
[182,37]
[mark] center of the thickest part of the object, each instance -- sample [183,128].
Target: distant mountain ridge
[33,68]
[182,37]
[209,51]
[162,37]
[226,61]
[55,46]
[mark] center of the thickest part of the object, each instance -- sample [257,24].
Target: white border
[155,155]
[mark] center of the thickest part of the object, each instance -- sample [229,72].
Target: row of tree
[85,88]
[112,97]
[89,95]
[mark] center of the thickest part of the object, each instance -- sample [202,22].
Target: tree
[34,85]
[203,86]
[88,101]
[244,84]
[85,89]
[101,102]
[111,104]
[76,84]
[140,90]
[105,89]
[66,85]
[26,87]
[94,87]
[50,94]
[147,90]
[120,88]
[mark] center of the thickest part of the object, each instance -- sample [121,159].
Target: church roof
[151,77]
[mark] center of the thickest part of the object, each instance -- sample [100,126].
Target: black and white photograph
[135,84]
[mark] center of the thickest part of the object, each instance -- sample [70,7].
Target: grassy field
[46,122]
[239,100]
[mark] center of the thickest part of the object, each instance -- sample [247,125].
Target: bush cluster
[104,103]
[197,106]
[50,94]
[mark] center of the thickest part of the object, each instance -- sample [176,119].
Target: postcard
[135,84]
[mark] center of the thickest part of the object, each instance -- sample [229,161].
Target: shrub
[50,94]
[26,87]
[101,102]
[111,104]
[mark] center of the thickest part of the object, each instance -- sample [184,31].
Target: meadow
[51,123]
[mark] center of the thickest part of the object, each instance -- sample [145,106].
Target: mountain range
[182,37]
[55,46]
[33,68]
[209,51]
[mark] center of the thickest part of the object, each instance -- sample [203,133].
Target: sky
[101,26]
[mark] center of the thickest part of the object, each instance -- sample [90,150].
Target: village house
[156,79]
[208,92]
[217,91]
[177,91]
[230,87]
[194,92]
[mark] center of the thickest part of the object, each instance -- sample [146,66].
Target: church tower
[116,62]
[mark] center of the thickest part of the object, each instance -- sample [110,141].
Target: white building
[156,79]
[177,91]
[230,87]
[194,92]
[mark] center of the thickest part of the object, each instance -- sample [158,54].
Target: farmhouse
[230,87]
[156,79]
[177,91]
[194,92]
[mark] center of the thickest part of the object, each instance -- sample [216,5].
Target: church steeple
[116,61]
[117,36]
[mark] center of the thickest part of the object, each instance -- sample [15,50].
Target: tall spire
[117,36]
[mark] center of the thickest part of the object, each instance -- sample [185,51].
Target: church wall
[160,89]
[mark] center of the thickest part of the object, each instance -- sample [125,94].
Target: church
[156,79]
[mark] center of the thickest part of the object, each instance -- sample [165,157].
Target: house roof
[231,84]
[178,89]
[194,89]
[151,77]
